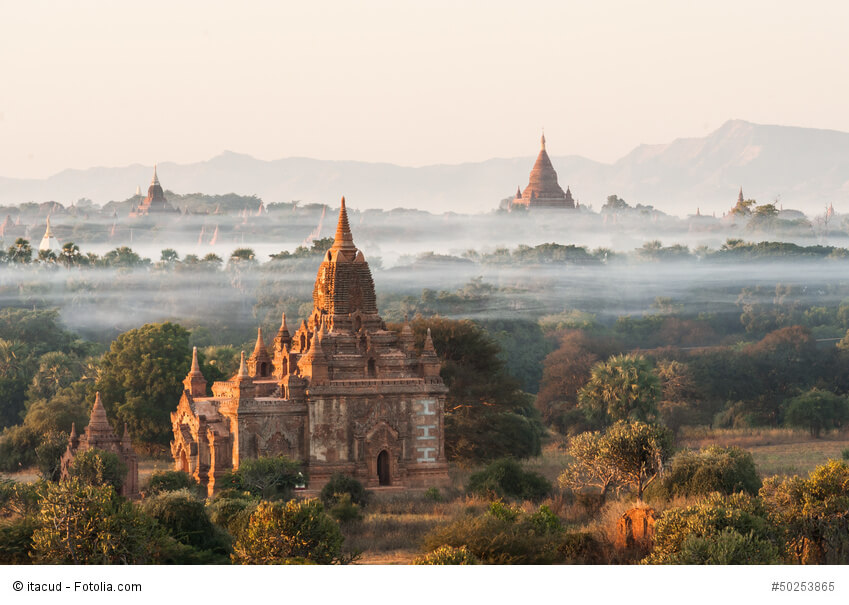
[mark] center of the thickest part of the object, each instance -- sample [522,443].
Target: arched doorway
[383,468]
[184,461]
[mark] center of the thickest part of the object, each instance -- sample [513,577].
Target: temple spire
[155,180]
[195,364]
[343,240]
[243,369]
[542,141]
[428,343]
[98,418]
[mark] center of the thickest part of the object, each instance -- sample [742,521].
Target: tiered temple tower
[342,393]
[543,190]
[99,435]
[155,202]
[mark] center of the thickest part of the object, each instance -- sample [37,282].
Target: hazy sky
[99,83]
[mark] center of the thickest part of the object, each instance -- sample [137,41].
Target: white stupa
[49,241]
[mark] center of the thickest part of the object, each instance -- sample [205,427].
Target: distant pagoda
[155,202]
[543,190]
[49,241]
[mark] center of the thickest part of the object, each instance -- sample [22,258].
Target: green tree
[623,387]
[20,252]
[817,411]
[83,524]
[169,256]
[811,513]
[70,255]
[141,378]
[124,257]
[291,532]
[717,530]
[49,453]
[97,467]
[487,416]
[506,478]
[267,478]
[627,454]
[712,469]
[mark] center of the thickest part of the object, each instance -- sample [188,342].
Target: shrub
[811,513]
[344,509]
[266,478]
[728,547]
[83,524]
[279,533]
[19,499]
[339,485]
[845,453]
[448,555]
[503,535]
[434,495]
[582,548]
[172,481]
[506,478]
[185,519]
[706,521]
[712,469]
[17,448]
[49,453]
[16,541]
[817,411]
[231,513]
[97,467]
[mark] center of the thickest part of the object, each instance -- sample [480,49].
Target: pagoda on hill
[339,394]
[543,190]
[155,202]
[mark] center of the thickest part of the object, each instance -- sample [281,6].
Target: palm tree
[21,251]
[70,255]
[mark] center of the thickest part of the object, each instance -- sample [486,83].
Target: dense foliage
[713,469]
[505,478]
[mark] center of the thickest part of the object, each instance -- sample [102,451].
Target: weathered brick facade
[340,394]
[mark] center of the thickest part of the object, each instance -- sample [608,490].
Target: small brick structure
[635,528]
[99,435]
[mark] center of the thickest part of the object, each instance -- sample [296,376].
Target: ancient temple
[341,394]
[99,435]
[155,202]
[49,241]
[543,190]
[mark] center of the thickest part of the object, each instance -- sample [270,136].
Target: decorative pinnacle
[542,140]
[343,240]
[155,180]
[283,324]
[243,369]
[428,343]
[195,365]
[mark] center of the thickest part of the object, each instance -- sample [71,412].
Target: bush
[83,524]
[340,484]
[503,535]
[505,478]
[344,509]
[582,548]
[16,541]
[17,448]
[280,533]
[97,467]
[19,499]
[728,547]
[434,495]
[713,469]
[448,555]
[231,513]
[266,478]
[705,521]
[184,517]
[49,453]
[172,481]
[817,411]
[845,453]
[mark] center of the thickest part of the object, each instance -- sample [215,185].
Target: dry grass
[700,436]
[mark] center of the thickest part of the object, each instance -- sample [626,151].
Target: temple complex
[341,394]
[155,202]
[99,435]
[543,190]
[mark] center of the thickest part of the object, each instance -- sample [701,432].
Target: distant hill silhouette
[803,168]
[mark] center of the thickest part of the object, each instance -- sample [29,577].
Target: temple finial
[243,369]
[542,140]
[428,343]
[259,347]
[195,364]
[343,240]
